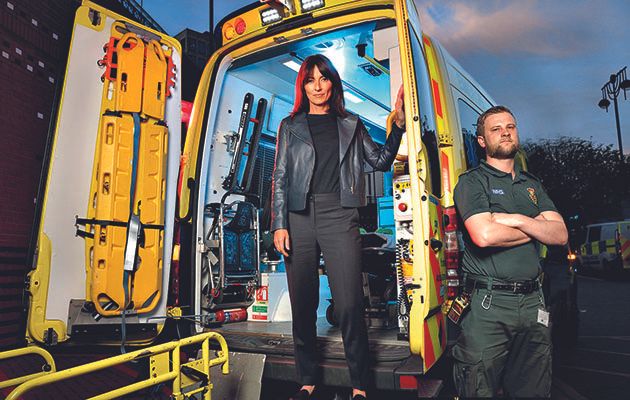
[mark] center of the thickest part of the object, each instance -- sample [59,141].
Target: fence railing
[164,366]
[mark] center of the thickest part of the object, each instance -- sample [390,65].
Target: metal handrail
[170,372]
[48,368]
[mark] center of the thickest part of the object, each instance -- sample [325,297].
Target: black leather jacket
[295,163]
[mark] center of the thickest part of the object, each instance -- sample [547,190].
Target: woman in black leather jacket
[318,184]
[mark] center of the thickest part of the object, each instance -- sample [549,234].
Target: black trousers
[334,230]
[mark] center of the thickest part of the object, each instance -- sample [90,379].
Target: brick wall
[33,48]
[34,38]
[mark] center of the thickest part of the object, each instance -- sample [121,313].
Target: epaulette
[470,170]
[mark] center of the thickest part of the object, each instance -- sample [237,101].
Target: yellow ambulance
[135,235]
[606,247]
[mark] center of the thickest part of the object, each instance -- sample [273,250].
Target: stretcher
[124,226]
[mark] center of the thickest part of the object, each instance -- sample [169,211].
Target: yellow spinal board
[133,109]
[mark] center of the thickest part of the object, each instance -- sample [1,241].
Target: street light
[610,91]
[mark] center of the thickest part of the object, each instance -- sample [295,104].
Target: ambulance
[139,240]
[606,247]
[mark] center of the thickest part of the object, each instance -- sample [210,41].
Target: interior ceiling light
[351,97]
[308,5]
[293,65]
[269,16]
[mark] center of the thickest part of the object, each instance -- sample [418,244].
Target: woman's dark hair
[325,67]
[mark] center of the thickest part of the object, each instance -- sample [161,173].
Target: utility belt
[461,304]
[517,287]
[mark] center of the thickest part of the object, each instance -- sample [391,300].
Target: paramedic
[505,345]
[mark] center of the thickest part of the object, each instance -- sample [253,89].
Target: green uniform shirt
[487,189]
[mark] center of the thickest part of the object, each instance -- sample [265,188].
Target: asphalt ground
[597,368]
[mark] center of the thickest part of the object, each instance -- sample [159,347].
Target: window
[279,108]
[468,120]
[608,231]
[594,233]
[425,102]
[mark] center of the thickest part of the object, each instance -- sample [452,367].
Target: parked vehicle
[606,247]
[134,235]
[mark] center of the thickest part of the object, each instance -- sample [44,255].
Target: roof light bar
[269,16]
[308,5]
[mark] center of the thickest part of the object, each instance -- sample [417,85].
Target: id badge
[543,317]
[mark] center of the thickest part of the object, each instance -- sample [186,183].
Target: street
[599,368]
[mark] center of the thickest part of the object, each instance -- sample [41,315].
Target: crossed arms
[507,230]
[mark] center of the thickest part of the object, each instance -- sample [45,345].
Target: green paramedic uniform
[503,349]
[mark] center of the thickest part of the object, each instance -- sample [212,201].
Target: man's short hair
[492,110]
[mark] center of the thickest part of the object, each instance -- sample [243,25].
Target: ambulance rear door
[113,154]
[425,292]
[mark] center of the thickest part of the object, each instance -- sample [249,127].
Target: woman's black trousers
[334,230]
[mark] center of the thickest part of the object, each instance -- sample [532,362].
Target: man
[505,344]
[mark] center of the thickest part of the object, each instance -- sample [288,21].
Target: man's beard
[502,152]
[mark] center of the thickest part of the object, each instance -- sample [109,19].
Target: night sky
[546,60]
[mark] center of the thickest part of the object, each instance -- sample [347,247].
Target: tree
[586,181]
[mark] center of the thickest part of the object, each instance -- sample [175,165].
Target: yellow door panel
[427,294]
[101,123]
[38,326]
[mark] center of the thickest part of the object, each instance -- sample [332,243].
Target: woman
[318,184]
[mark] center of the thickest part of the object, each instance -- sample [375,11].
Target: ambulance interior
[370,88]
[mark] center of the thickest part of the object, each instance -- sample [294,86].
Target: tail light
[451,251]
[240,26]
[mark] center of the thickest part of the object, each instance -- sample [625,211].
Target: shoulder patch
[532,195]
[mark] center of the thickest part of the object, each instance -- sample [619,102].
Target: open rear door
[107,203]
[427,332]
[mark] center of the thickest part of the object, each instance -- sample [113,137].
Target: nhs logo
[497,191]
